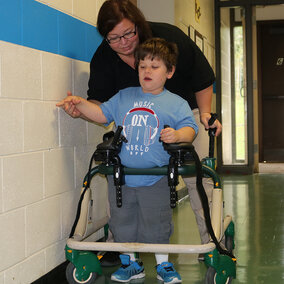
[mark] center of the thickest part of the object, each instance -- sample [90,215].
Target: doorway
[247,108]
[233,89]
[271,90]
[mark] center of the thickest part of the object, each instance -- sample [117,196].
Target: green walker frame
[84,265]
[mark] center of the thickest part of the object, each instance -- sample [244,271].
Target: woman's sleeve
[101,78]
[193,62]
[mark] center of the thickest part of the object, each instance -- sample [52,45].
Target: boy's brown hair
[157,48]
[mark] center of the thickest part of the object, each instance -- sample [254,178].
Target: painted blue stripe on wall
[11,21]
[71,37]
[33,24]
[40,28]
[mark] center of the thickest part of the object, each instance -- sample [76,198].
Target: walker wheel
[212,277]
[71,275]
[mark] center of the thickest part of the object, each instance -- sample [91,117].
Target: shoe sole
[138,276]
[175,280]
[201,257]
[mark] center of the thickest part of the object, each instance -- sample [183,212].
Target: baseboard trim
[271,168]
[55,276]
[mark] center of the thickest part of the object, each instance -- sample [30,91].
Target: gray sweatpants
[196,204]
[201,145]
[145,215]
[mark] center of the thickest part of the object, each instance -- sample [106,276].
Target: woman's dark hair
[113,12]
[157,48]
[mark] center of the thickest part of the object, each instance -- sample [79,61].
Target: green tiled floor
[256,203]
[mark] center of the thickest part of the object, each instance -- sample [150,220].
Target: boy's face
[153,74]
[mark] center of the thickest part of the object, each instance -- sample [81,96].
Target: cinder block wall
[45,49]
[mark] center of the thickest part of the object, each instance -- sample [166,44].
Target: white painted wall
[185,20]
[158,10]
[85,10]
[274,12]
[44,154]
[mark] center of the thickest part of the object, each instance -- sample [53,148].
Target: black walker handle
[107,152]
[172,175]
[211,133]
[118,138]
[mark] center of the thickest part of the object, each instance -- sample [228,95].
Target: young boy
[146,215]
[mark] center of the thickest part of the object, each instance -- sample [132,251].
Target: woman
[123,27]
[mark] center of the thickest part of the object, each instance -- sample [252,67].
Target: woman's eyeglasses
[116,39]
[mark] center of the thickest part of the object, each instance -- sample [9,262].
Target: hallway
[256,203]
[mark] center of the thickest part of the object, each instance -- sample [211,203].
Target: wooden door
[271,90]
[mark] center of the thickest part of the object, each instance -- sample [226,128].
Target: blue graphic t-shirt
[143,116]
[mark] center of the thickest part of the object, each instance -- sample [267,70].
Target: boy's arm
[184,134]
[75,113]
[90,110]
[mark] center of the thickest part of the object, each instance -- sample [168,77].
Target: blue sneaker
[167,273]
[129,270]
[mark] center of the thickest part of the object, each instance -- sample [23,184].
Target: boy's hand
[71,109]
[69,105]
[169,135]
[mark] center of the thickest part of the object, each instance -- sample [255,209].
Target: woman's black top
[109,74]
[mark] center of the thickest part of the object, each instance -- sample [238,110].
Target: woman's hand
[204,118]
